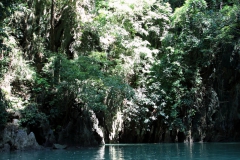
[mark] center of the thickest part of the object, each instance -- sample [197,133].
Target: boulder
[24,141]
[18,139]
[59,146]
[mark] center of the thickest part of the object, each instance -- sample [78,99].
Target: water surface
[162,151]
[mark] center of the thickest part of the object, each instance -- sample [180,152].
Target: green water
[181,151]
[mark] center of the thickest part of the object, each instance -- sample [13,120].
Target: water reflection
[100,153]
[177,151]
[189,149]
[116,152]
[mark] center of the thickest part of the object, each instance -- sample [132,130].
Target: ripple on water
[163,151]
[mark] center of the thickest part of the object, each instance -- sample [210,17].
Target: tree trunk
[52,36]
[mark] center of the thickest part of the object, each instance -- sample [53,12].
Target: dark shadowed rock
[5,148]
[50,139]
[59,146]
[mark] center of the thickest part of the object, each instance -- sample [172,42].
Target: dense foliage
[4,105]
[158,65]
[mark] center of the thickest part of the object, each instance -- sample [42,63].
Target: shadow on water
[173,151]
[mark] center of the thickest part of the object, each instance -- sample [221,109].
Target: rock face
[50,138]
[14,138]
[83,131]
[217,120]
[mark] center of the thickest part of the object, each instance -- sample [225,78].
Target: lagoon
[161,151]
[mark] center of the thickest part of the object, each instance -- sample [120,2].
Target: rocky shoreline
[15,138]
